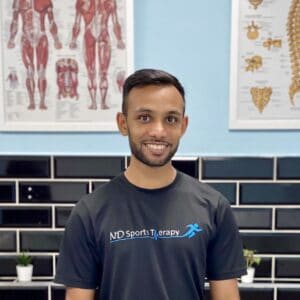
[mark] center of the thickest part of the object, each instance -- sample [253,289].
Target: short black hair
[145,77]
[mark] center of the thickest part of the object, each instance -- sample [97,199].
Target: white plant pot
[24,273]
[250,275]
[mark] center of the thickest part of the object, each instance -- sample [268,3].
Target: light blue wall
[192,40]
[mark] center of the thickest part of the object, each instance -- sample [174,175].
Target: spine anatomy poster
[265,64]
[63,63]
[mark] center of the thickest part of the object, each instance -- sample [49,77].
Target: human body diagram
[97,42]
[34,43]
[84,68]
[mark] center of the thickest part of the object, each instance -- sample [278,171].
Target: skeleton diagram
[34,41]
[96,15]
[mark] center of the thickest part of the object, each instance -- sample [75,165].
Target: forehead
[160,98]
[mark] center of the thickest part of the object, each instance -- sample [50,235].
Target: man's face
[154,123]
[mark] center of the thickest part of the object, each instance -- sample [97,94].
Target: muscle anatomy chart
[64,62]
[265,80]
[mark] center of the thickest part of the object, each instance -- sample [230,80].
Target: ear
[122,123]
[185,122]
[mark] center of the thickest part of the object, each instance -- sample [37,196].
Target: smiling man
[152,232]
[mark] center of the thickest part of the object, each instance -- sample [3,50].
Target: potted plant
[24,267]
[251,261]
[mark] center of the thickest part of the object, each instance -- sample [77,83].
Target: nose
[157,130]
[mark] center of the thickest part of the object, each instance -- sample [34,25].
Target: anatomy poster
[265,64]
[63,63]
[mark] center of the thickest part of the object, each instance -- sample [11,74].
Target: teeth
[156,146]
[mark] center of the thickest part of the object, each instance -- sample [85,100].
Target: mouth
[156,148]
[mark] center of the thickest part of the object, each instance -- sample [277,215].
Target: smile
[156,148]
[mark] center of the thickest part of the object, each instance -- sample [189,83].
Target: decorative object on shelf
[24,267]
[251,261]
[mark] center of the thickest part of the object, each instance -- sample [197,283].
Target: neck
[148,177]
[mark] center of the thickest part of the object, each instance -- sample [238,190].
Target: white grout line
[268,231]
[90,188]
[54,264]
[200,164]
[18,245]
[53,216]
[33,253]
[17,191]
[34,229]
[275,293]
[273,268]
[49,292]
[35,205]
[262,181]
[52,167]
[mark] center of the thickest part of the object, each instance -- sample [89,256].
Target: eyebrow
[171,112]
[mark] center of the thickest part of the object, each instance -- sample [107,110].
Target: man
[34,42]
[152,232]
[96,15]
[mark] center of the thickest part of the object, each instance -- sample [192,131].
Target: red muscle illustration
[96,15]
[34,42]
[67,70]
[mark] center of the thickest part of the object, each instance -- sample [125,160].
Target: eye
[144,118]
[172,119]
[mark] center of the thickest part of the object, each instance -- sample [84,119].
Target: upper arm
[225,256]
[224,289]
[79,294]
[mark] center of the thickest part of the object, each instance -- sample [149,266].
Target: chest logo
[154,234]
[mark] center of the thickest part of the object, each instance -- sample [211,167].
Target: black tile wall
[43,241]
[7,192]
[24,166]
[256,294]
[288,294]
[237,168]
[253,218]
[264,269]
[227,189]
[30,293]
[46,192]
[190,167]
[58,293]
[25,217]
[250,294]
[288,218]
[61,216]
[97,184]
[88,167]
[44,198]
[288,168]
[42,265]
[288,267]
[7,241]
[273,243]
[270,193]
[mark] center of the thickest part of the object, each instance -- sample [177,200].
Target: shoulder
[203,190]
[101,197]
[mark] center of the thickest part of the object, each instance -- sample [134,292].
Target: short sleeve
[225,255]
[78,261]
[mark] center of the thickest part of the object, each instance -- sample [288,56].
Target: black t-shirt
[139,244]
